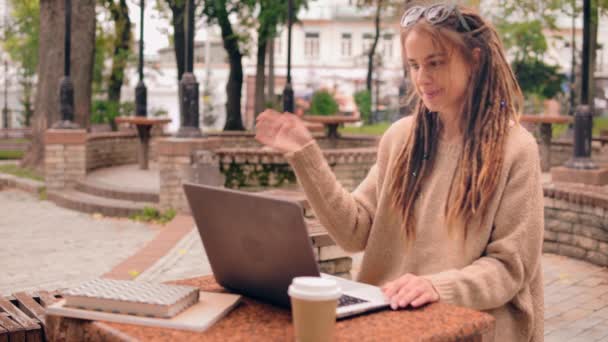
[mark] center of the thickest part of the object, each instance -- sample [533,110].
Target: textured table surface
[253,320]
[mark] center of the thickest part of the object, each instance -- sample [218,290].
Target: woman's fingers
[409,290]
[421,300]
[408,295]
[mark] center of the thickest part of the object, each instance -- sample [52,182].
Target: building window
[388,45]
[368,40]
[347,45]
[311,45]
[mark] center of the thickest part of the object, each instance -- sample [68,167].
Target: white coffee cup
[313,307]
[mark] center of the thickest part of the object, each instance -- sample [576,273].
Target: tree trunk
[178,14]
[260,99]
[50,70]
[122,41]
[82,58]
[372,50]
[270,96]
[234,122]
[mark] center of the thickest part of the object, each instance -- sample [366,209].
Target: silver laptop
[256,245]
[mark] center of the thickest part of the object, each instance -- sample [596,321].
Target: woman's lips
[431,94]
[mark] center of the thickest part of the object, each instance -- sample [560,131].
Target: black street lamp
[583,118]
[573,61]
[288,100]
[141,98]
[190,126]
[66,90]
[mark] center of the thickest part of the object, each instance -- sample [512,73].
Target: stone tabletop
[144,121]
[552,119]
[254,320]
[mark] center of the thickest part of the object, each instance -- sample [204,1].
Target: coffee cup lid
[314,288]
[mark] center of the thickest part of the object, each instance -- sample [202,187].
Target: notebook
[131,297]
[131,302]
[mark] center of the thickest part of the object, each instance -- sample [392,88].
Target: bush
[323,103]
[363,99]
[104,111]
[537,77]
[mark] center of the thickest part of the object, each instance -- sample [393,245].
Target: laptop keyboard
[346,300]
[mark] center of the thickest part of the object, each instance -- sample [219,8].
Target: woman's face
[439,75]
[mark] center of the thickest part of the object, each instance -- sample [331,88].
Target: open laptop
[256,245]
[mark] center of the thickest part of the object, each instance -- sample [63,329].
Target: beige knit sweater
[497,269]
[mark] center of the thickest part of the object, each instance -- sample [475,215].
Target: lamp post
[66,88]
[288,100]
[583,118]
[190,126]
[141,98]
[573,61]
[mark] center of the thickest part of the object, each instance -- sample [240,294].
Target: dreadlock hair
[492,99]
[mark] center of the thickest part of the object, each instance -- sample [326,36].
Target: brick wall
[215,159]
[576,222]
[107,149]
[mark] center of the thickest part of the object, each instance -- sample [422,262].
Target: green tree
[272,13]
[121,45]
[177,8]
[538,15]
[388,10]
[235,42]
[21,43]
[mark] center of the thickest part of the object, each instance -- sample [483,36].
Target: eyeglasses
[434,14]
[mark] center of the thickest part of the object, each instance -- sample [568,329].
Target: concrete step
[99,189]
[80,201]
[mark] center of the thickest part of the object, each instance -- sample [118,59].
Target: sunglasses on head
[434,14]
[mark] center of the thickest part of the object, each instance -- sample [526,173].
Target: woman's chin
[432,106]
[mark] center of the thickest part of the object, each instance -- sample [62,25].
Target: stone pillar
[65,159]
[177,164]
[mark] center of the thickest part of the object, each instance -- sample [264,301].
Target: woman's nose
[423,76]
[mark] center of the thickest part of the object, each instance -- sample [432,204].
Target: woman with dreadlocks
[452,210]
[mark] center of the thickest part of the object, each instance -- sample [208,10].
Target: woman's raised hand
[284,132]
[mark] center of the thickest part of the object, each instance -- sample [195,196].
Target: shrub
[363,99]
[323,103]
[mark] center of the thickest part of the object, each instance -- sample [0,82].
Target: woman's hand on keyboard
[410,290]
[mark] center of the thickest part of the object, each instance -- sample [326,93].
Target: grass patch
[15,141]
[151,214]
[42,194]
[21,172]
[374,129]
[10,155]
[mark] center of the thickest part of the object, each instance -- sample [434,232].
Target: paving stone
[46,247]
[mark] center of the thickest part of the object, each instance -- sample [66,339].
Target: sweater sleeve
[346,216]
[513,253]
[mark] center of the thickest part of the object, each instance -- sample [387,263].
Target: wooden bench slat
[16,331]
[31,307]
[47,298]
[17,315]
